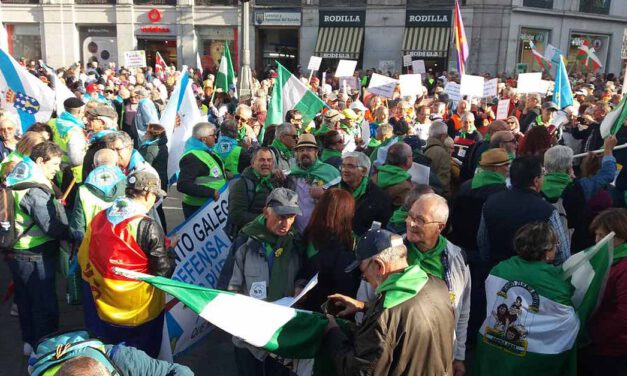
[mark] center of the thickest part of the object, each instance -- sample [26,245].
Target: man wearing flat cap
[407,330]
[68,131]
[266,266]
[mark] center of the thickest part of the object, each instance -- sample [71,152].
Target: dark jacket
[440,162]
[396,192]
[473,156]
[529,118]
[374,205]
[247,198]
[151,240]
[157,155]
[88,161]
[191,168]
[412,338]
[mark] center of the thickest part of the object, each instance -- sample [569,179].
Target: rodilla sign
[201,250]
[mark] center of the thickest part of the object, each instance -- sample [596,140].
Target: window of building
[345,3]
[548,4]
[540,39]
[595,6]
[278,2]
[600,47]
[154,2]
[211,42]
[216,2]
[24,41]
[88,2]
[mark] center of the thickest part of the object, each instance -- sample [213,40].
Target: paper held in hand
[411,84]
[314,63]
[502,109]
[345,68]
[529,83]
[418,66]
[472,86]
[382,85]
[452,90]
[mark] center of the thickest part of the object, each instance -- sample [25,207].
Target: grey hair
[414,193]
[437,129]
[498,138]
[535,96]
[141,92]
[105,157]
[440,211]
[202,129]
[7,118]
[559,158]
[468,116]
[245,110]
[398,154]
[282,129]
[393,254]
[122,136]
[108,122]
[362,159]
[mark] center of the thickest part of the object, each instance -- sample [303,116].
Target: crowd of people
[402,222]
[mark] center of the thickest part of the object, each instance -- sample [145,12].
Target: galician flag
[291,93]
[179,117]
[562,94]
[23,94]
[536,310]
[587,56]
[285,331]
[225,76]
[543,61]
[615,120]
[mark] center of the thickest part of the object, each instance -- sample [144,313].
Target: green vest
[91,204]
[215,179]
[35,236]
[61,141]
[231,162]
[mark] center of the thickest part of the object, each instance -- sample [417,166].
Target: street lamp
[245,78]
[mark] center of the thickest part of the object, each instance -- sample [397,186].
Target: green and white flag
[535,311]
[226,74]
[285,331]
[615,120]
[291,93]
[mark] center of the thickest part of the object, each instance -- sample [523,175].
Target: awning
[339,42]
[426,41]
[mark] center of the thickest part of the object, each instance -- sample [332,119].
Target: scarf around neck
[554,184]
[319,170]
[400,287]
[388,175]
[285,152]
[486,177]
[430,261]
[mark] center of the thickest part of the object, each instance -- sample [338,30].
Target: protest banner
[452,89]
[529,82]
[472,86]
[418,66]
[407,60]
[382,85]
[314,63]
[200,252]
[135,59]
[411,84]
[502,109]
[489,87]
[345,68]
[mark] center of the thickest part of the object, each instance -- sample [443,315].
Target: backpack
[8,231]
[52,351]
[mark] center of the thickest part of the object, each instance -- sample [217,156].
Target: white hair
[203,129]
[440,209]
[559,158]
[437,129]
[468,116]
[362,159]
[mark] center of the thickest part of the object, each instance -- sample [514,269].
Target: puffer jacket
[440,162]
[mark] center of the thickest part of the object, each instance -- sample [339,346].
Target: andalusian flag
[543,61]
[615,120]
[536,311]
[285,331]
[587,56]
[225,76]
[288,93]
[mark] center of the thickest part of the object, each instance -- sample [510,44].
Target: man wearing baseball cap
[116,309]
[68,131]
[546,115]
[265,266]
[408,329]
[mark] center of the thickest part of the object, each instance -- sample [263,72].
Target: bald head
[400,155]
[105,157]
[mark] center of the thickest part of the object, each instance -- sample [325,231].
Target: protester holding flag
[202,172]
[408,329]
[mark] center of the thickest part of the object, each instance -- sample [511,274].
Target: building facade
[376,33]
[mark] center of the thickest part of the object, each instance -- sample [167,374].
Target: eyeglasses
[118,150]
[511,122]
[240,118]
[297,120]
[419,221]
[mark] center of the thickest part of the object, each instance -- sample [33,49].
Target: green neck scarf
[241,133]
[430,261]
[400,287]
[264,181]
[359,191]
[398,217]
[329,153]
[388,175]
[487,137]
[620,252]
[554,184]
[486,177]
[285,152]
[281,247]
[322,171]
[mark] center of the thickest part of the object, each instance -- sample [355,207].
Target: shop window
[216,2]
[426,4]
[154,2]
[344,3]
[540,39]
[547,4]
[278,2]
[595,6]
[20,1]
[87,2]
[24,41]
[211,42]
[599,43]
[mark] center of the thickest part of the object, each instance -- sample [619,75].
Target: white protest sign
[452,89]
[382,85]
[418,66]
[345,68]
[387,65]
[135,59]
[200,254]
[314,63]
[546,86]
[411,84]
[489,88]
[472,86]
[407,60]
[529,82]
[502,109]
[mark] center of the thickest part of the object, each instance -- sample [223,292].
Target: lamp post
[244,79]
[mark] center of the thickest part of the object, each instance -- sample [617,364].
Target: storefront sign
[342,18]
[154,29]
[264,18]
[427,18]
[427,53]
[154,15]
[335,55]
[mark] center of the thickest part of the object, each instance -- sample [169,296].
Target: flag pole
[623,146]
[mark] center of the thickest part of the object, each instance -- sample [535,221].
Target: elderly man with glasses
[442,259]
